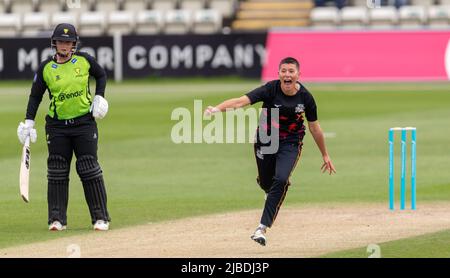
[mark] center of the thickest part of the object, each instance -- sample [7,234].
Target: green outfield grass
[433,245]
[151,179]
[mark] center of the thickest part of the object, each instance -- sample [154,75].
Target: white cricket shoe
[259,236]
[101,225]
[56,226]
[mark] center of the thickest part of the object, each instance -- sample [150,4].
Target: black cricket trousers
[274,171]
[65,137]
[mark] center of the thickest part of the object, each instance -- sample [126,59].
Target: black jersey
[292,110]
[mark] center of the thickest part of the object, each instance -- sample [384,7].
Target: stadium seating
[120,22]
[412,16]
[135,5]
[325,17]
[193,5]
[23,6]
[164,5]
[439,16]
[149,22]
[265,14]
[106,5]
[383,17]
[177,22]
[225,7]
[358,3]
[421,2]
[83,6]
[2,7]
[92,23]
[10,25]
[50,6]
[354,16]
[206,21]
[67,17]
[35,23]
[100,17]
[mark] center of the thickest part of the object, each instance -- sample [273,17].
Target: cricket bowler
[292,102]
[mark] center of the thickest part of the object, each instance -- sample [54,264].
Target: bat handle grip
[27,141]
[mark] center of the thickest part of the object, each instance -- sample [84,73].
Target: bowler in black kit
[286,105]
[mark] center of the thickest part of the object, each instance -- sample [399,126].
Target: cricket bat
[25,170]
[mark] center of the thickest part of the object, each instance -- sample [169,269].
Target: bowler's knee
[281,181]
[265,184]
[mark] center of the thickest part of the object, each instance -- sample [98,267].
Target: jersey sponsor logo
[78,72]
[63,96]
[74,60]
[54,66]
[300,108]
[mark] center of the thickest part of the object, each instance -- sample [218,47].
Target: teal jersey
[68,86]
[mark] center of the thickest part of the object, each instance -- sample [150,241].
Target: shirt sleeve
[98,73]
[37,92]
[259,94]
[311,108]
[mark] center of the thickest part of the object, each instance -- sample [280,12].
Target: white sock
[262,227]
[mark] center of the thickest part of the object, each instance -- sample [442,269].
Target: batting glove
[26,129]
[99,107]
